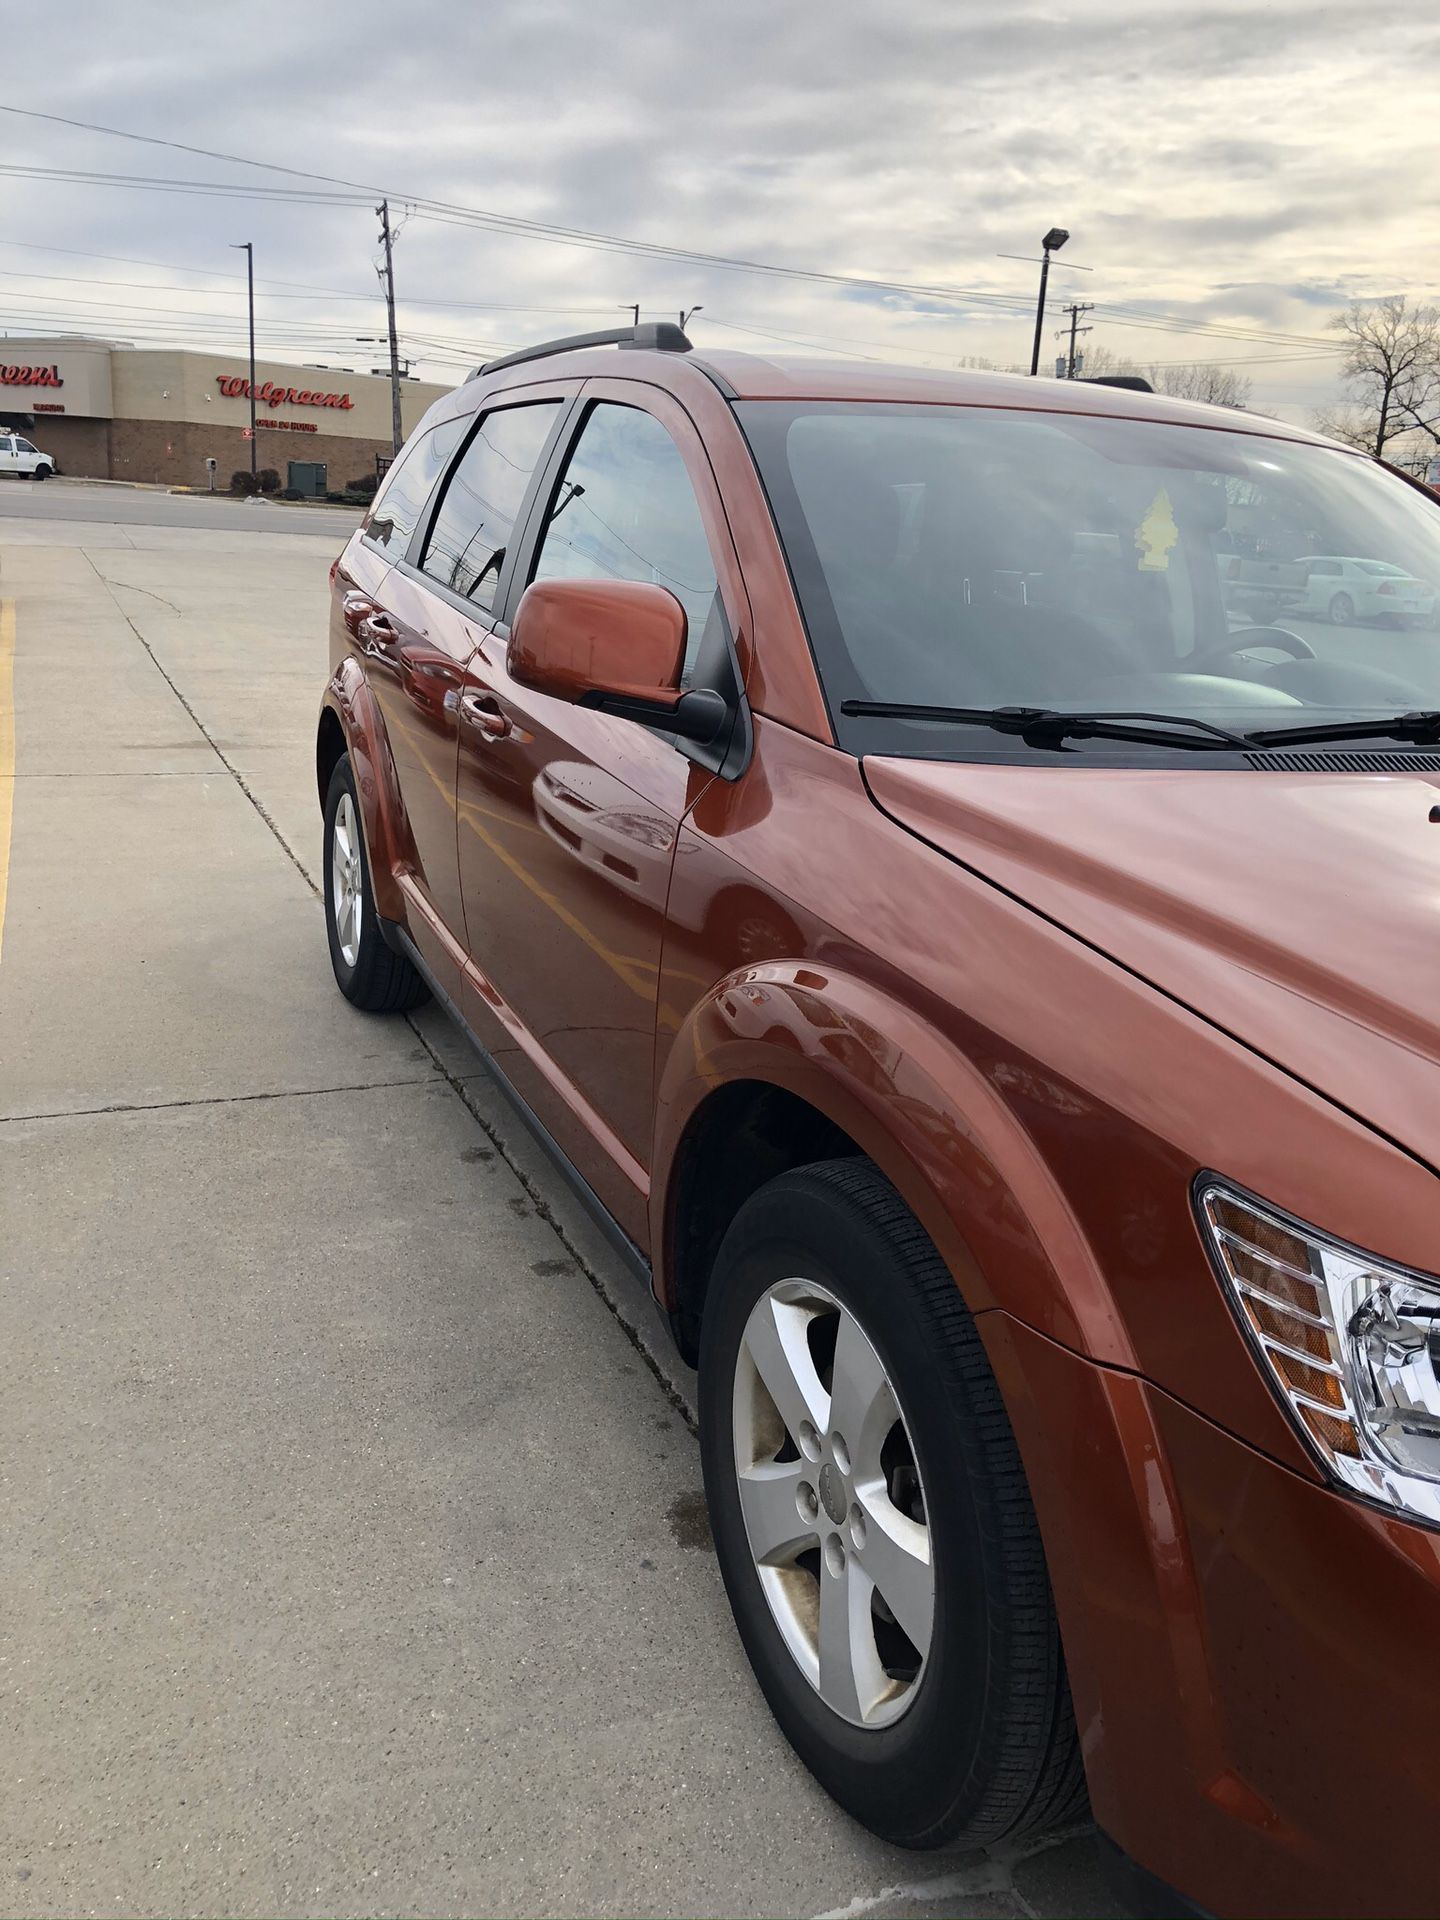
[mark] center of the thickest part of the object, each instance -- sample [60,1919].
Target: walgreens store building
[106,411]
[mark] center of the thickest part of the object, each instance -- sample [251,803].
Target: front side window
[24,446]
[398,505]
[625,510]
[477,512]
[983,557]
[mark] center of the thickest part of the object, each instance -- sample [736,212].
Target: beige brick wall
[174,452]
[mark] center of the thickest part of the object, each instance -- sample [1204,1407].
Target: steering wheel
[1244,638]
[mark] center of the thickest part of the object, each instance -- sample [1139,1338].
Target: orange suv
[986,984]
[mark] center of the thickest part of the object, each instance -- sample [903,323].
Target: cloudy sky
[1236,167]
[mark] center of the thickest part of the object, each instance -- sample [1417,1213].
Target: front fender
[922,1112]
[382,817]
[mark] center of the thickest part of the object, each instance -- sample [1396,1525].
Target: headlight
[1352,1344]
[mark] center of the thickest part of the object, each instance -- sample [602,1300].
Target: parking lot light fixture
[1052,243]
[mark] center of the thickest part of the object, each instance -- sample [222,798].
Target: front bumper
[1251,1654]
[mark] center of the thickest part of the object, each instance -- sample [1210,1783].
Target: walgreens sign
[269,395]
[30,377]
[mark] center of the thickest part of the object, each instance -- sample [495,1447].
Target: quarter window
[477,511]
[407,486]
[625,510]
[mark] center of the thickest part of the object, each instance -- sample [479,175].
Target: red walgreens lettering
[233,387]
[30,377]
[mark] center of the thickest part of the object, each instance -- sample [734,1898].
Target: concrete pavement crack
[129,588]
[233,771]
[216,1100]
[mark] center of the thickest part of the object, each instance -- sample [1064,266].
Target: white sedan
[19,456]
[1342,589]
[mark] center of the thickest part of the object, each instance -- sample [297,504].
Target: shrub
[269,480]
[290,493]
[365,486]
[243,481]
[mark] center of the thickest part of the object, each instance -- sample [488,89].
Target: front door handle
[377,632]
[484,714]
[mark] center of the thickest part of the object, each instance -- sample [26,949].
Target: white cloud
[1248,164]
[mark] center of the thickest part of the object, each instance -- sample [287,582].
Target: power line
[452,213]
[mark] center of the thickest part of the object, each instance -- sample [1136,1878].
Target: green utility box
[308,477]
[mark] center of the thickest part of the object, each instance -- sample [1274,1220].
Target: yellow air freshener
[1156,535]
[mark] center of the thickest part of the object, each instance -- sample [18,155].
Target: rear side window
[477,512]
[407,486]
[626,510]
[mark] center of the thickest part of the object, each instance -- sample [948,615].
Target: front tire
[873,1522]
[370,974]
[1342,610]
[42,473]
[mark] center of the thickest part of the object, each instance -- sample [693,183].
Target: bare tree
[1220,386]
[1217,385]
[1391,372]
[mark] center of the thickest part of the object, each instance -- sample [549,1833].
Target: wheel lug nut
[807,1500]
[809,1440]
[835,1555]
[857,1528]
[840,1451]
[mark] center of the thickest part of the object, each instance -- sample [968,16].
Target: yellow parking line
[7,746]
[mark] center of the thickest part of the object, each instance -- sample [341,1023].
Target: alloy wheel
[833,1504]
[346,879]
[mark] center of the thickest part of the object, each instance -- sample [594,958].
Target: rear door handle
[484,714]
[355,607]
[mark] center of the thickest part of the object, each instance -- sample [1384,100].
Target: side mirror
[614,645]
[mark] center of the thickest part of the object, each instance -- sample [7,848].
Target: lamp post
[1052,243]
[248,248]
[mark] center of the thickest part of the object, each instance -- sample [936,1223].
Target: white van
[19,456]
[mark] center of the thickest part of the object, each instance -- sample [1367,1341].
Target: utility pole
[631,306]
[1075,309]
[248,248]
[387,274]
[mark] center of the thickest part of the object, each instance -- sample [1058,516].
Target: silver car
[1341,589]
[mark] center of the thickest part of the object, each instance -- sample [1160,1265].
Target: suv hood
[1298,911]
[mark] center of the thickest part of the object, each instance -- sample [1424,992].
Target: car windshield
[981,557]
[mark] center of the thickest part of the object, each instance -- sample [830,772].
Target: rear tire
[969,1738]
[370,974]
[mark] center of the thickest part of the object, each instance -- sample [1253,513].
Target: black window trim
[408,563]
[728,757]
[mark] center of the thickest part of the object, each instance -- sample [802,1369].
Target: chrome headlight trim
[1349,1343]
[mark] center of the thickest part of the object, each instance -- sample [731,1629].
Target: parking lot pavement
[355,1560]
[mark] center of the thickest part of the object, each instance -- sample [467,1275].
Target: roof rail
[1131,381]
[662,336]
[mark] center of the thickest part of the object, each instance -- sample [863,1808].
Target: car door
[412,661]
[568,818]
[439,605]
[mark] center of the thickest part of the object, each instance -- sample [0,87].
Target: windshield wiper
[1044,723]
[1422,726]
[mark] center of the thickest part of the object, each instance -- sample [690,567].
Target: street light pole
[1052,243]
[248,248]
